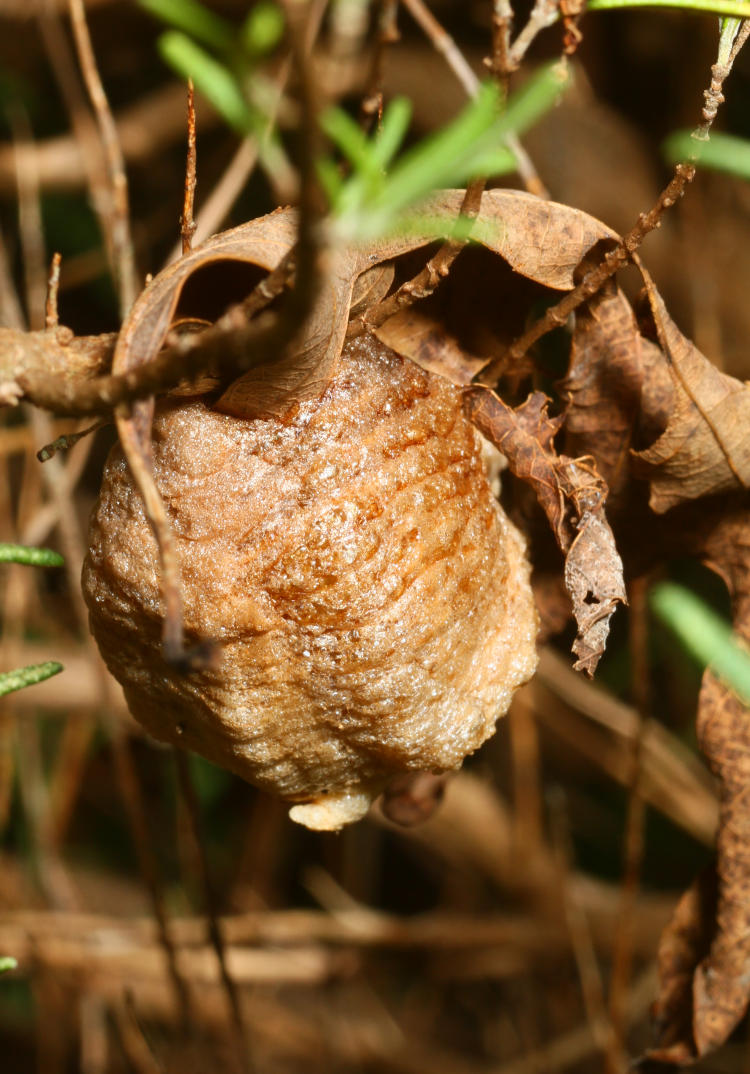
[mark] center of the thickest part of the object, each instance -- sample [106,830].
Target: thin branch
[372,99]
[443,43]
[51,313]
[446,46]
[87,141]
[122,241]
[556,316]
[543,14]
[187,224]
[424,283]
[216,937]
[713,96]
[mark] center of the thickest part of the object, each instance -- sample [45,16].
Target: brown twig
[713,96]
[187,224]
[90,152]
[122,242]
[372,99]
[499,62]
[51,313]
[572,11]
[216,937]
[67,441]
[556,316]
[424,283]
[622,955]
[446,46]
[589,974]
[543,14]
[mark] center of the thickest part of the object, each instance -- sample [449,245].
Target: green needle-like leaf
[725,152]
[194,19]
[32,557]
[28,676]
[706,636]
[712,7]
[535,98]
[348,136]
[210,77]
[387,142]
[262,29]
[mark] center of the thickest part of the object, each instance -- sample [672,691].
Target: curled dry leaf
[604,384]
[684,943]
[572,494]
[704,449]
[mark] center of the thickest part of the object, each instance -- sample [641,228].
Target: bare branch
[187,224]
[122,242]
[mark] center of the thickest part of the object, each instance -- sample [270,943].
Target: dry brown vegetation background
[514,931]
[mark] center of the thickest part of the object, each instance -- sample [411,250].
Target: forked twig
[447,47]
[424,283]
[556,316]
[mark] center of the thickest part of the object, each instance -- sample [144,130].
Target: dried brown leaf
[704,449]
[603,384]
[572,494]
[426,341]
[702,1000]
[684,942]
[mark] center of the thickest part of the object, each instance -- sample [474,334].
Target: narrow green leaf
[534,99]
[7,963]
[704,634]
[28,676]
[262,29]
[347,136]
[387,142]
[32,557]
[194,19]
[724,152]
[439,160]
[214,80]
[330,179]
[712,7]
